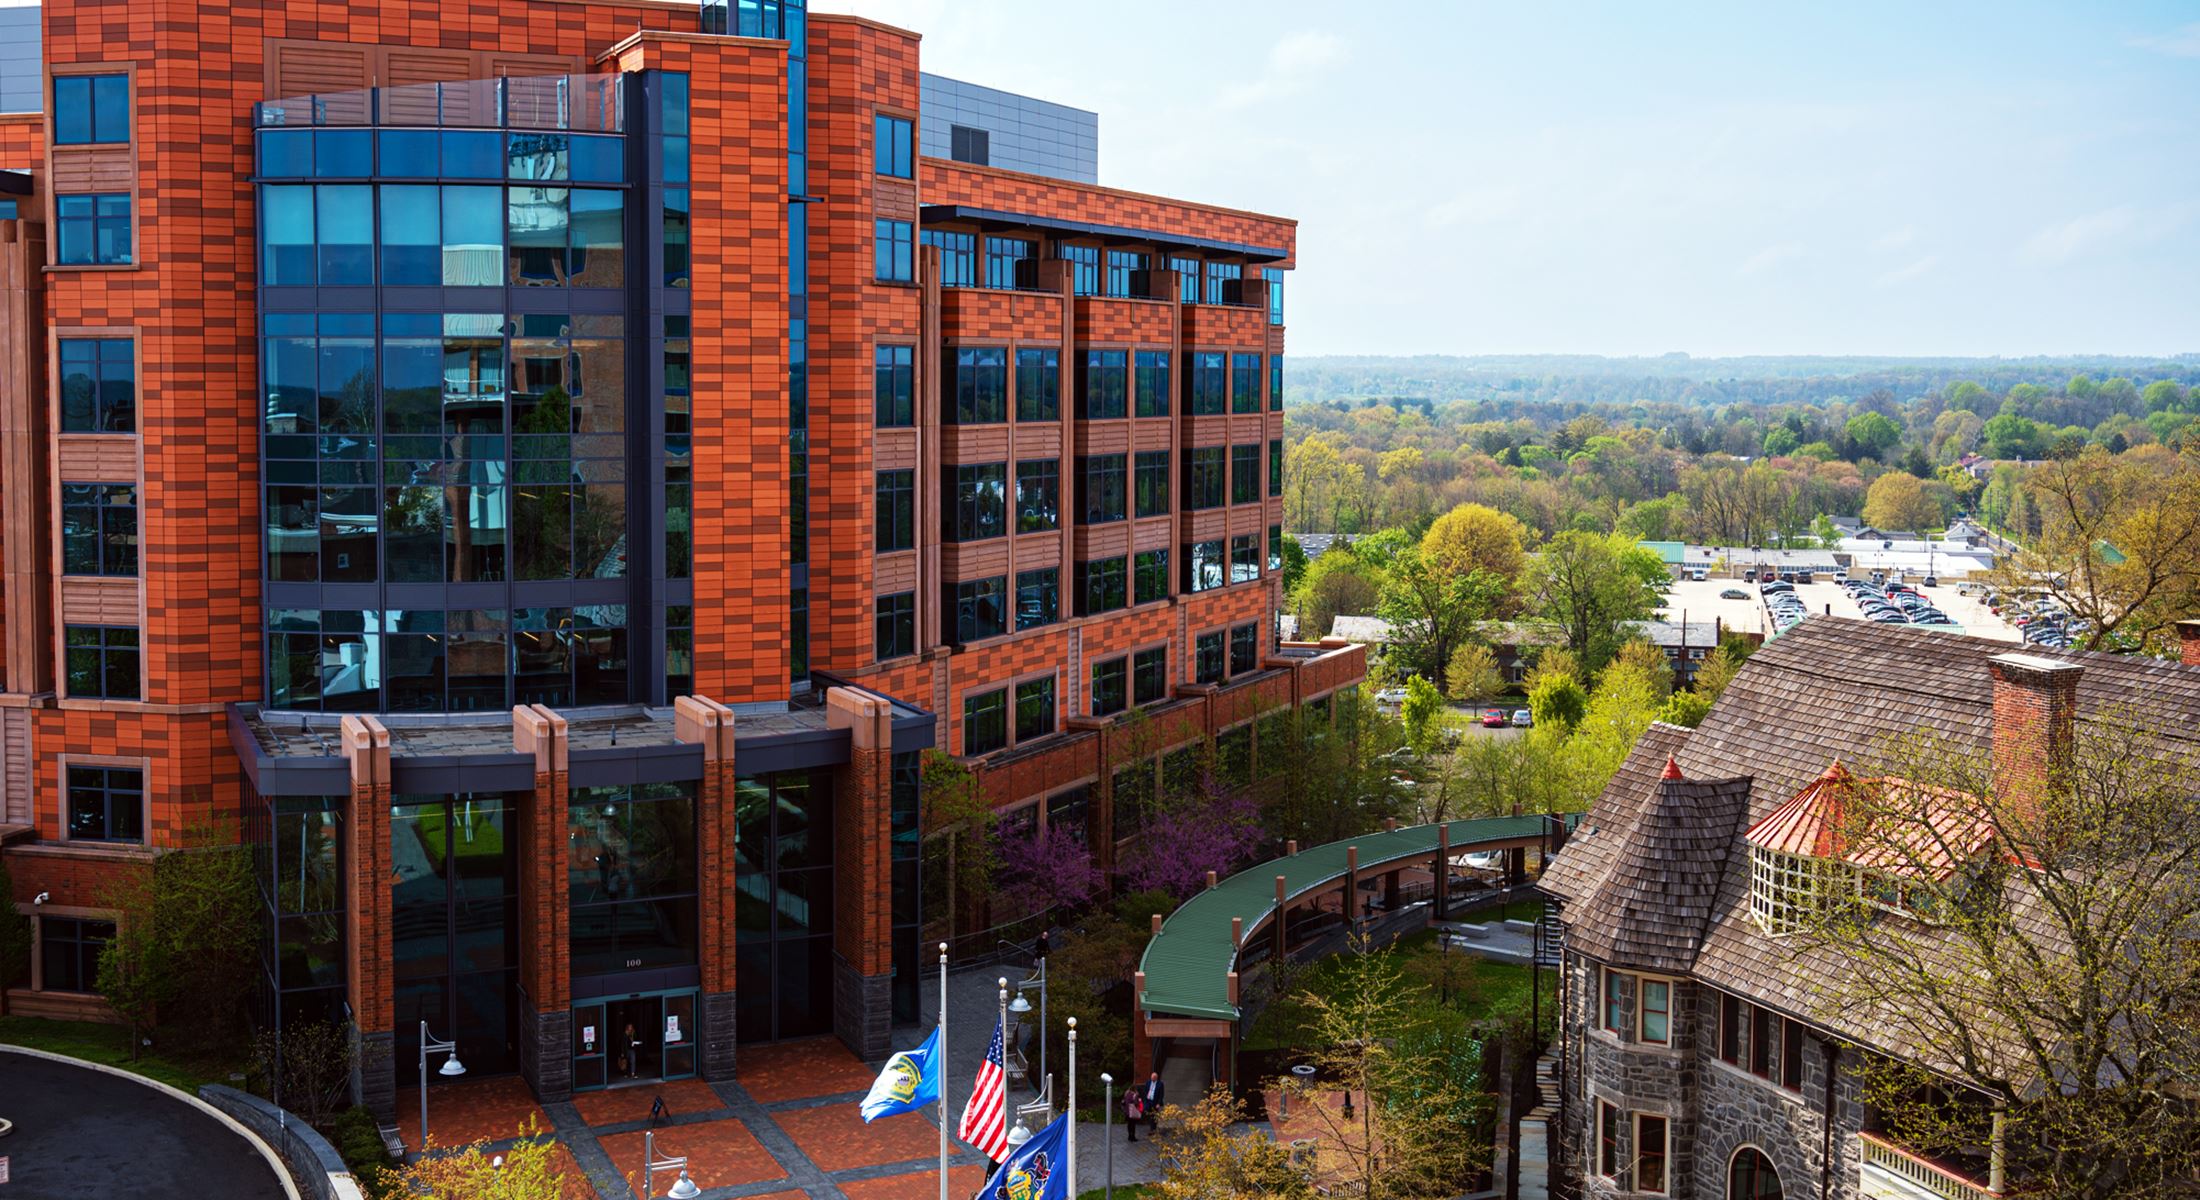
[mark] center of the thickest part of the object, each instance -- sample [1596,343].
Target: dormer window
[1895,845]
[1788,892]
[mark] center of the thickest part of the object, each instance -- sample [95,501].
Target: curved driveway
[81,1132]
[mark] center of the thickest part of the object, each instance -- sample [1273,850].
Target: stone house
[1697,1056]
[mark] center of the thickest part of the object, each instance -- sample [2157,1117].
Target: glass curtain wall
[783,905]
[297,860]
[454,916]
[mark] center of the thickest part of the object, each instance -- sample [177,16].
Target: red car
[1493,718]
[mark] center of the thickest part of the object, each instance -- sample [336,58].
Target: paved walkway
[788,1126]
[80,1132]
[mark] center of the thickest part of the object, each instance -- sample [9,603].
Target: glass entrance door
[633,1040]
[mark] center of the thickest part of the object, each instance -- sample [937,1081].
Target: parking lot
[1701,601]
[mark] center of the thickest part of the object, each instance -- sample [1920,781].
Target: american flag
[985,1119]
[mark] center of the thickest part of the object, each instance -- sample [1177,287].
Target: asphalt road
[80,1132]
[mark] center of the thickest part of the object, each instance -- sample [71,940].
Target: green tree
[1424,704]
[1340,583]
[2164,395]
[1685,708]
[1591,589]
[1822,528]
[2011,436]
[1432,610]
[1780,441]
[1557,701]
[528,1170]
[1899,500]
[1294,564]
[187,942]
[1476,537]
[1473,675]
[1872,434]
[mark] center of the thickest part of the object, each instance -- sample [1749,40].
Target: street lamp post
[1021,1006]
[1107,1135]
[451,1068]
[683,1188]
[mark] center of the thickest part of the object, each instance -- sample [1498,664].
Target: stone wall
[314,1165]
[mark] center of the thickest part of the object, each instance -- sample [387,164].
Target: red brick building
[550,468]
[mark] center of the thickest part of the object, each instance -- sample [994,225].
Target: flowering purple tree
[1209,830]
[1052,868]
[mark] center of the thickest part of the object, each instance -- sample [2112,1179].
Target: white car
[1392,695]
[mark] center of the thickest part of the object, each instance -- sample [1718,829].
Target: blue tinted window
[91,109]
[473,236]
[93,229]
[412,246]
[344,229]
[598,159]
[894,251]
[286,153]
[346,154]
[407,152]
[893,152]
[472,155]
[110,108]
[676,160]
[675,103]
[537,156]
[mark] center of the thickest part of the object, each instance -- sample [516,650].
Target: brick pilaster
[546,947]
[709,724]
[2188,638]
[368,983]
[2035,711]
[863,905]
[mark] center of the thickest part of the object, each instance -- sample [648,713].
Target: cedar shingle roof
[1655,904]
[1833,688]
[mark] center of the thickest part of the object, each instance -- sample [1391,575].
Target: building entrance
[633,1040]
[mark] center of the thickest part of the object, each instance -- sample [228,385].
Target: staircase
[1550,937]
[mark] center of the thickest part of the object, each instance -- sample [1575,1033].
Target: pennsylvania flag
[1038,1170]
[910,1081]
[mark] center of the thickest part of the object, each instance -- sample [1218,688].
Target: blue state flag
[1038,1170]
[910,1081]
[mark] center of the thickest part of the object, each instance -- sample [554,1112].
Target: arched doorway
[1751,1176]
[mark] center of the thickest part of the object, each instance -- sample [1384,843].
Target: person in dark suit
[1150,1097]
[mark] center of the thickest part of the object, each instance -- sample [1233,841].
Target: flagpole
[1004,1050]
[940,1068]
[1073,1108]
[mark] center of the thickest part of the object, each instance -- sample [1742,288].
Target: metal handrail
[1919,1170]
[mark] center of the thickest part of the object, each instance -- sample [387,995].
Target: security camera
[41,898]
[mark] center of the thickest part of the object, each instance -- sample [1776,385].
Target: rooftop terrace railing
[587,103]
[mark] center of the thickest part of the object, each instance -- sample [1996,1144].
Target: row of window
[92,229]
[451,235]
[1111,384]
[1751,1037]
[444,154]
[1113,487]
[1118,683]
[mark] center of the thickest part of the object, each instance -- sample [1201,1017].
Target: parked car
[1391,695]
[1932,581]
[1522,718]
[1493,718]
[1733,594]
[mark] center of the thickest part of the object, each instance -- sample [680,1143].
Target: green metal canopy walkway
[1187,966]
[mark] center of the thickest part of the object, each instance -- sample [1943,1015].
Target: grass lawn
[110,1045]
[1480,990]
[1123,1191]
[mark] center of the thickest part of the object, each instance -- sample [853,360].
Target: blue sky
[1864,178]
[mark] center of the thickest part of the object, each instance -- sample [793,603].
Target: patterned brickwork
[945,182]
[22,141]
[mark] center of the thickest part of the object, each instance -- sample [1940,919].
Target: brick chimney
[2188,636]
[2035,707]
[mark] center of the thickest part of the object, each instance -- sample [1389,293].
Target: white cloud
[1905,274]
[2062,242]
[2181,42]
[1291,62]
[1768,258]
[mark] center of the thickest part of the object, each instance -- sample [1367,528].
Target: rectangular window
[1150,675]
[977,386]
[1764,1042]
[1245,474]
[894,251]
[1007,263]
[1207,658]
[98,385]
[102,661]
[1187,279]
[1207,385]
[1245,389]
[1657,1012]
[1110,687]
[1123,269]
[95,229]
[1103,487]
[1038,385]
[1102,586]
[1204,568]
[897,511]
[1149,576]
[1274,276]
[1730,1029]
[985,722]
[1150,477]
[1649,1153]
[897,625]
[1038,495]
[68,953]
[1034,708]
[1152,383]
[1615,1000]
[894,386]
[1244,649]
[1608,1161]
[99,529]
[966,144]
[1204,473]
[1038,597]
[1791,1054]
[90,110]
[979,608]
[980,507]
[958,256]
[1275,467]
[1275,383]
[1219,278]
[1275,548]
[1103,385]
[680,648]
[893,146]
[1245,558]
[1084,264]
[106,804]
